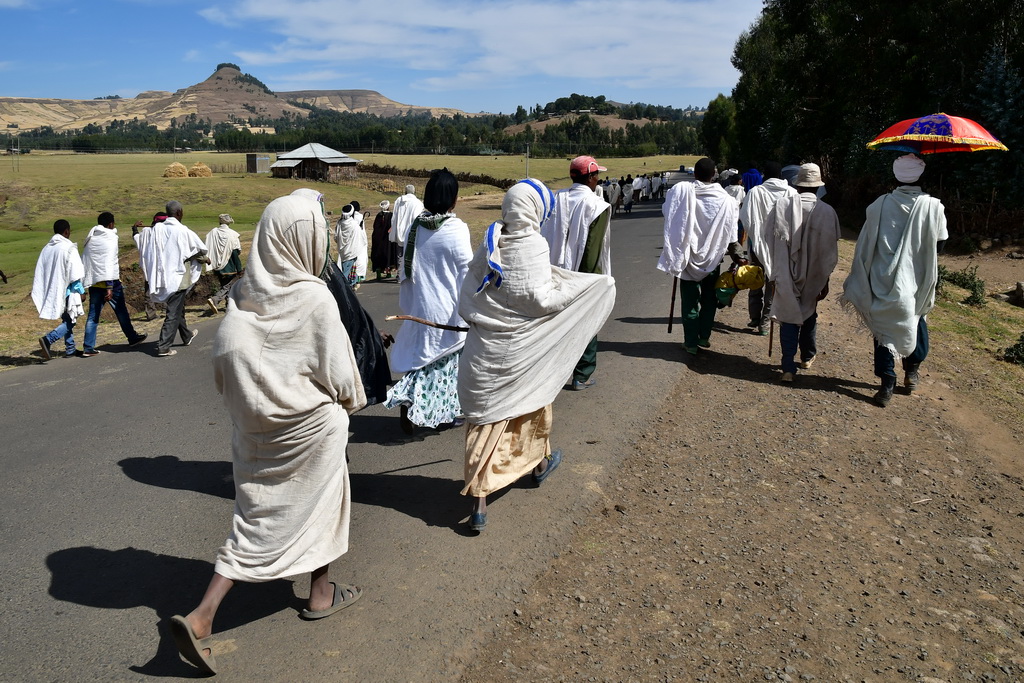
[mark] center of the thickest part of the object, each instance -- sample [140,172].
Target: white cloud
[6,66]
[468,44]
[193,56]
[13,4]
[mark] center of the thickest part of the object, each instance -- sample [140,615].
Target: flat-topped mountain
[227,95]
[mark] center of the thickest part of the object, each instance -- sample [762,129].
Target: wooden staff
[672,305]
[428,323]
[771,337]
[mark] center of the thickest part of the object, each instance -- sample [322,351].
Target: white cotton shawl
[406,209]
[566,229]
[614,193]
[527,335]
[700,221]
[439,266]
[59,265]
[284,364]
[221,242]
[163,251]
[895,266]
[757,204]
[350,236]
[99,256]
[803,240]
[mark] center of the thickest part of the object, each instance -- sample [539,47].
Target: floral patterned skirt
[432,392]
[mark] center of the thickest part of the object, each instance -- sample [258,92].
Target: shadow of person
[633,320]
[213,478]
[663,350]
[128,578]
[436,501]
[385,430]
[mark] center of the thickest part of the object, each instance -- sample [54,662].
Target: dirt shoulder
[765,532]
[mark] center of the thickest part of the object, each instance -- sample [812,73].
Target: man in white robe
[103,280]
[700,220]
[350,237]
[578,233]
[757,204]
[405,210]
[893,275]
[172,259]
[224,249]
[57,288]
[802,236]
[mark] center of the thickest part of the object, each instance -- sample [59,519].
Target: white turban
[908,168]
[385,205]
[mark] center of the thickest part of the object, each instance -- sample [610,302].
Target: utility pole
[527,159]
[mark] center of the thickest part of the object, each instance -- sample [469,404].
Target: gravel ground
[761,532]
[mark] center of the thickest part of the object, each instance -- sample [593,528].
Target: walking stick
[771,338]
[672,305]
[428,323]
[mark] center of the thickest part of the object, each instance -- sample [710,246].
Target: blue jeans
[885,364]
[804,336]
[97,297]
[66,330]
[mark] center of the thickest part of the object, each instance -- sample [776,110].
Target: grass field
[36,189]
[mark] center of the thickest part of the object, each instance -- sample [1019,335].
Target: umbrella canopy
[935,134]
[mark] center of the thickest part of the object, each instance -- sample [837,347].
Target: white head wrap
[385,205]
[225,219]
[524,208]
[908,168]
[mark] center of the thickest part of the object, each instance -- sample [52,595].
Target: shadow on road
[433,500]
[129,578]
[213,478]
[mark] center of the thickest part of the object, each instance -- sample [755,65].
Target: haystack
[176,170]
[200,170]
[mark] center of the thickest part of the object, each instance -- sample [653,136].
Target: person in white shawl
[528,323]
[283,362]
[406,209]
[756,206]
[700,223]
[894,272]
[350,236]
[172,258]
[103,280]
[224,249]
[578,233]
[438,250]
[802,236]
[57,288]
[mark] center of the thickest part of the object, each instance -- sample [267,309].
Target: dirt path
[763,532]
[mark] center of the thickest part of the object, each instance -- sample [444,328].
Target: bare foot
[203,628]
[321,597]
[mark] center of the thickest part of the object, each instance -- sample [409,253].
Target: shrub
[1015,353]
[965,279]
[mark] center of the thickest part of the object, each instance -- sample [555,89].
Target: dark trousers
[700,304]
[759,301]
[885,364]
[803,337]
[174,322]
[587,363]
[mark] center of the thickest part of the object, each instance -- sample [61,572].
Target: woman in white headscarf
[351,238]
[529,322]
[437,252]
[283,362]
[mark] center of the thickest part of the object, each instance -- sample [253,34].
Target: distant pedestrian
[752,177]
[172,260]
[224,248]
[700,224]
[894,273]
[578,233]
[757,204]
[406,209]
[802,235]
[103,280]
[57,288]
[383,252]
[350,237]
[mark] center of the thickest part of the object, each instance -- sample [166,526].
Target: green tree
[718,130]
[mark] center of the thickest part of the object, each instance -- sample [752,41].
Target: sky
[474,55]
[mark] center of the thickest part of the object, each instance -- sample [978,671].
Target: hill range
[226,96]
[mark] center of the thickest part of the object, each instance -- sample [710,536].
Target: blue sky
[475,55]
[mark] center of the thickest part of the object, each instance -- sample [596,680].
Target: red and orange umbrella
[935,134]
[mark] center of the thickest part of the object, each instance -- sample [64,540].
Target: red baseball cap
[585,166]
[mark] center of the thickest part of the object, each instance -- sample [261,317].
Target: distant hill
[227,95]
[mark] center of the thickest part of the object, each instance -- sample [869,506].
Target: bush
[176,170]
[1015,354]
[965,279]
[200,170]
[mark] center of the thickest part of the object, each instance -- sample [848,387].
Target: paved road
[118,493]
